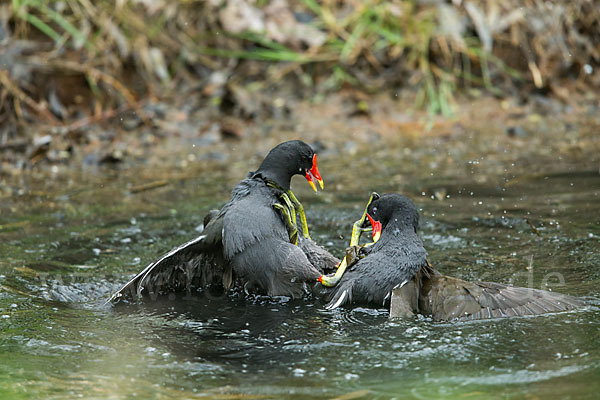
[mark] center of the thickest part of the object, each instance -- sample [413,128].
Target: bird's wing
[249,220]
[213,228]
[194,263]
[174,271]
[256,244]
[446,298]
[361,283]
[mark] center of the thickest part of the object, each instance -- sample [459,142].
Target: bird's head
[291,158]
[394,210]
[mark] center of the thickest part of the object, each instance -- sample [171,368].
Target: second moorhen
[395,272]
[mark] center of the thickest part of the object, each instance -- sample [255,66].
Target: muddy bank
[487,140]
[94,83]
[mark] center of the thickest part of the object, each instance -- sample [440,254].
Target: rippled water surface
[64,251]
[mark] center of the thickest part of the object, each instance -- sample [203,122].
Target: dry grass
[62,59]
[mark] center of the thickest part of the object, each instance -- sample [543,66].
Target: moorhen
[395,271]
[253,242]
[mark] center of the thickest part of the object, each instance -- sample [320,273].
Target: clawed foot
[357,227]
[352,256]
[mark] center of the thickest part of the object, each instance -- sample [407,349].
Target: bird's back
[250,218]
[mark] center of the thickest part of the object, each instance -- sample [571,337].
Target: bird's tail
[339,296]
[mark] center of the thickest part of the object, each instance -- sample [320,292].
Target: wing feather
[447,298]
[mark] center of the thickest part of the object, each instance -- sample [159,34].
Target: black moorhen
[252,242]
[395,270]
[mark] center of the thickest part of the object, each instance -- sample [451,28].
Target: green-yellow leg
[300,210]
[356,227]
[291,227]
[351,252]
[357,231]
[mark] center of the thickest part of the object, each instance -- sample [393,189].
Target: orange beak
[313,175]
[376,228]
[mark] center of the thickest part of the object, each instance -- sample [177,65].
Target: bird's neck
[273,170]
[277,179]
[396,239]
[397,232]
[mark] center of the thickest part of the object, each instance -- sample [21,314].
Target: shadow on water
[59,340]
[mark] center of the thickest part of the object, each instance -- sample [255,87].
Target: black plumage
[246,243]
[395,272]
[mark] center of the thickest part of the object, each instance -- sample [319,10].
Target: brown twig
[20,95]
[92,72]
[14,145]
[148,186]
[108,114]
[535,230]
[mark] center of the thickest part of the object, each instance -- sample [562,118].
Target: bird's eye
[374,210]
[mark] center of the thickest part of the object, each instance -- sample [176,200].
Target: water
[68,245]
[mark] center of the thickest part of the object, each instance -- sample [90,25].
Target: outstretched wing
[446,298]
[193,264]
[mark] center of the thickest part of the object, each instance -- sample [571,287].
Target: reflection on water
[60,340]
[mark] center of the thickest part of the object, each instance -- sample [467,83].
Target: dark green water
[65,247]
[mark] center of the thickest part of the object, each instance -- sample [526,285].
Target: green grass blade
[257,54]
[66,25]
[42,26]
[313,6]
[262,40]
[352,42]
[41,6]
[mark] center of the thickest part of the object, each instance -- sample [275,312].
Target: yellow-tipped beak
[313,175]
[376,236]
[320,183]
[376,225]
[311,178]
